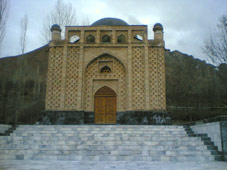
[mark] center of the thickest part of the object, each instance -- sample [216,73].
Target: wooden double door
[105,106]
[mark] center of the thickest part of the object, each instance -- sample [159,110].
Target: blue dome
[110,22]
[158,25]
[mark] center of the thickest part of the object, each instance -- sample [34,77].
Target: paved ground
[92,165]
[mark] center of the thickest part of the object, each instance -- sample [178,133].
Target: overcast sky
[186,23]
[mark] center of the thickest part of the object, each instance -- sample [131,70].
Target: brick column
[129,71]
[147,88]
[80,76]
[98,36]
[63,78]
[114,36]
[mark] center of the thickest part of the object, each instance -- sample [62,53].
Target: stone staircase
[103,143]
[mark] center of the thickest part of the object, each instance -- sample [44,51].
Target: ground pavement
[108,165]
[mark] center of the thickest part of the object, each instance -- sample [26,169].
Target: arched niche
[105,69]
[106,39]
[90,39]
[121,39]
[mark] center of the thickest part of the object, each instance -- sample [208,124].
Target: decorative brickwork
[161,79]
[53,93]
[138,85]
[93,73]
[157,78]
[71,84]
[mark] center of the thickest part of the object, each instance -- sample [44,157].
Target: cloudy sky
[186,23]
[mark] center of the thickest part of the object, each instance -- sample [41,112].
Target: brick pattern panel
[153,77]
[161,76]
[53,93]
[157,78]
[93,72]
[72,74]
[138,79]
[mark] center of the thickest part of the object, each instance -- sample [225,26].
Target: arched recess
[105,106]
[94,80]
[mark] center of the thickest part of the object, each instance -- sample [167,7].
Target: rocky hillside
[195,89]
[23,85]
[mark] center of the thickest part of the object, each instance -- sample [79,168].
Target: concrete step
[176,138]
[101,131]
[75,157]
[117,152]
[104,146]
[119,141]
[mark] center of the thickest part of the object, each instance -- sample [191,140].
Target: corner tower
[107,73]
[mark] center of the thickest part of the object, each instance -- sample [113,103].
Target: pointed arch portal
[105,106]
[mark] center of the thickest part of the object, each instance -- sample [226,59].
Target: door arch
[105,106]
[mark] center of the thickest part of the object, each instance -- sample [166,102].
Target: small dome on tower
[157,27]
[55,27]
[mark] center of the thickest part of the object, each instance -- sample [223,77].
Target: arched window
[105,69]
[106,38]
[121,39]
[90,39]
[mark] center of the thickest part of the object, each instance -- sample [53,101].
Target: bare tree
[215,47]
[4,7]
[23,37]
[62,14]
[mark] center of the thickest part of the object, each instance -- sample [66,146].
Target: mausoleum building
[106,73]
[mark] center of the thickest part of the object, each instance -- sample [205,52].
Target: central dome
[110,22]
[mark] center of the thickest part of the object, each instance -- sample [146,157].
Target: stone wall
[212,130]
[123,118]
[224,138]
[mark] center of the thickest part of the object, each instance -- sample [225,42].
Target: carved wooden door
[105,106]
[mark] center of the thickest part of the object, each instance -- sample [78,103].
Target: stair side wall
[4,128]
[224,138]
[212,130]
